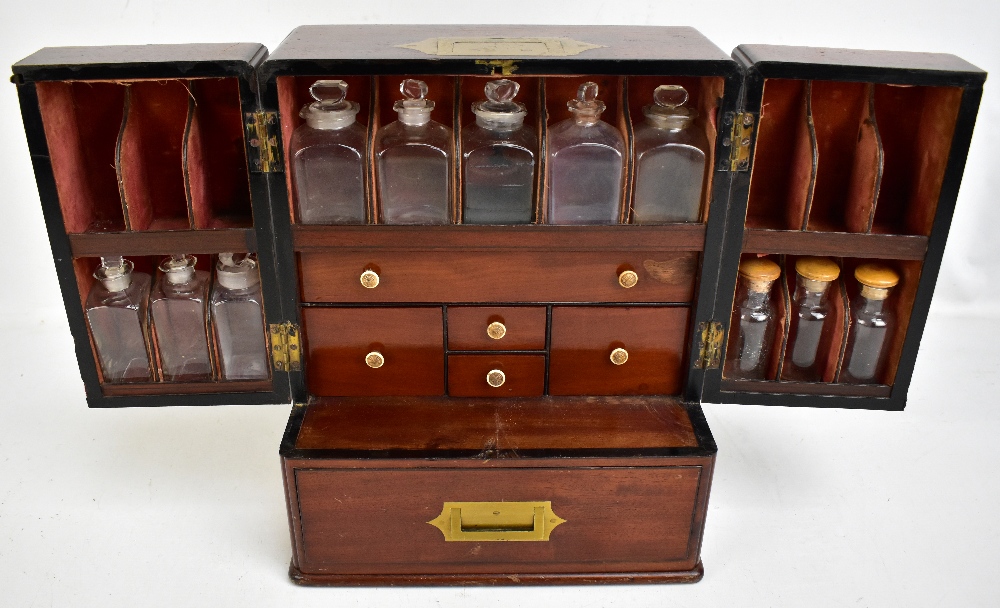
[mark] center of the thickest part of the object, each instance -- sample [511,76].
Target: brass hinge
[739,129]
[286,355]
[709,345]
[263,150]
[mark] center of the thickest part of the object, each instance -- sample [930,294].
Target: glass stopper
[113,265]
[413,89]
[670,95]
[501,90]
[115,272]
[587,92]
[331,91]
[586,107]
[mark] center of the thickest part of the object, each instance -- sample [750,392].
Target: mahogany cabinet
[503,404]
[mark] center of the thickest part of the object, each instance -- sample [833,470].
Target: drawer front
[617,519]
[511,276]
[496,328]
[584,340]
[492,375]
[374,351]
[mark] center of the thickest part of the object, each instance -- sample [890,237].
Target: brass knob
[628,279]
[496,378]
[496,330]
[369,279]
[619,356]
[374,359]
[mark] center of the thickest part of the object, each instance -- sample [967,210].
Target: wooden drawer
[520,328]
[517,375]
[584,339]
[410,342]
[505,276]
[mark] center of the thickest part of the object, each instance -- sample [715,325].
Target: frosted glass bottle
[414,157]
[751,328]
[327,158]
[872,325]
[808,327]
[116,313]
[178,306]
[499,156]
[585,164]
[670,161]
[237,316]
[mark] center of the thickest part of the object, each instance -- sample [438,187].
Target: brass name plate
[501,47]
[496,521]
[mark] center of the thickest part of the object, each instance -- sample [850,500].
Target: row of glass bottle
[182,309]
[586,159]
[754,317]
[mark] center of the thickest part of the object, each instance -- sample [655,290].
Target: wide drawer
[502,276]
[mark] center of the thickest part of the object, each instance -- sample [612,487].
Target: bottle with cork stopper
[751,329]
[178,306]
[116,313]
[872,324]
[808,327]
[238,319]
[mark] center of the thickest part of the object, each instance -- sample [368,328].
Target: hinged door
[140,153]
[855,158]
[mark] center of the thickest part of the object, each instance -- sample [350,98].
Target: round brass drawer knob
[619,356]
[496,378]
[374,359]
[496,330]
[628,279]
[369,279]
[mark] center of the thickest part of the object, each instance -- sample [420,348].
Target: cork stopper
[817,273]
[759,273]
[876,280]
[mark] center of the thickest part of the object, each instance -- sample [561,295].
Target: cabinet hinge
[709,345]
[286,355]
[263,150]
[738,127]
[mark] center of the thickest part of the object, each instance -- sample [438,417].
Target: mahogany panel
[163,242]
[837,244]
[510,276]
[525,327]
[561,578]
[411,341]
[584,338]
[524,375]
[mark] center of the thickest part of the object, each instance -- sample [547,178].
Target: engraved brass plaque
[496,521]
[499,46]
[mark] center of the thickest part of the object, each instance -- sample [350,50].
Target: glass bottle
[808,327]
[751,329]
[116,313]
[585,162]
[499,156]
[670,161]
[327,158]
[237,316]
[872,324]
[414,158]
[178,306]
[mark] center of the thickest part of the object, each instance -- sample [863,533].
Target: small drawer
[617,351]
[492,328]
[374,351]
[496,375]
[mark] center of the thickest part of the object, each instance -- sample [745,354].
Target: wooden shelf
[163,242]
[805,388]
[836,244]
[185,388]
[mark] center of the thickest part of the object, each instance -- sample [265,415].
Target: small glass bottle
[751,329]
[116,313]
[872,325]
[414,157]
[237,316]
[585,163]
[327,158]
[670,161]
[178,306]
[808,327]
[499,156]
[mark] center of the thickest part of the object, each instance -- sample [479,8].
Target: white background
[184,506]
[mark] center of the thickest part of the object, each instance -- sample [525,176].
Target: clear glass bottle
[808,327]
[178,306]
[670,161]
[499,156]
[237,314]
[872,324]
[116,313]
[327,158]
[585,164]
[414,156]
[751,329]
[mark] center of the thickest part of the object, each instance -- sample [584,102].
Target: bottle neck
[756,299]
[870,306]
[810,293]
